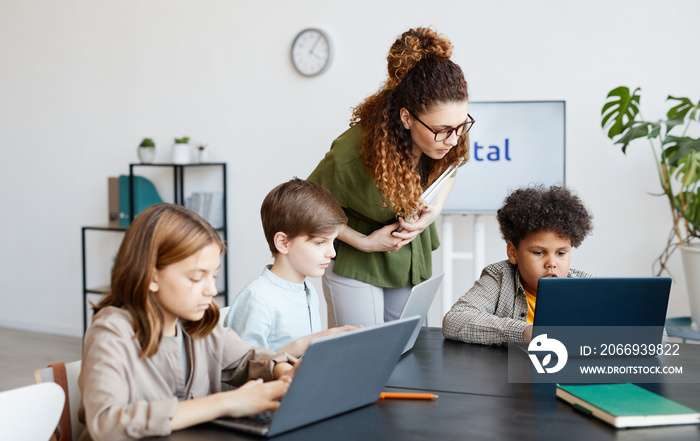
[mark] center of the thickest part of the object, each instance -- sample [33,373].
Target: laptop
[418,303]
[614,310]
[339,373]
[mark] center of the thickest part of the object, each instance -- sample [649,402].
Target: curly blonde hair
[420,76]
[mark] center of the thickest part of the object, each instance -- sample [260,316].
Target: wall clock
[311,52]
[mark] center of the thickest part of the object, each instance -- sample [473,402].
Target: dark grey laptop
[418,303]
[339,373]
[598,312]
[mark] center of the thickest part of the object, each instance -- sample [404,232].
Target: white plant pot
[202,155]
[181,153]
[146,154]
[691,268]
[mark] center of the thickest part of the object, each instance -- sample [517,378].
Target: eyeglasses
[441,135]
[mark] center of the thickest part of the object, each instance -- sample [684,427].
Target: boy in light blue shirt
[300,220]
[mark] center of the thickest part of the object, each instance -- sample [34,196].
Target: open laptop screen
[590,312]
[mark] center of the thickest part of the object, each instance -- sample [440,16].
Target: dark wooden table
[476,403]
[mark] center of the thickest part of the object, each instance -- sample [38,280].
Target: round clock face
[311,52]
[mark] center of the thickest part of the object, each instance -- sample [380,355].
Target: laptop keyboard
[262,419]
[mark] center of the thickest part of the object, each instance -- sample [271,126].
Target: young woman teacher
[400,141]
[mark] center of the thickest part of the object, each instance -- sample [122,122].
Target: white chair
[70,427]
[30,413]
[222,314]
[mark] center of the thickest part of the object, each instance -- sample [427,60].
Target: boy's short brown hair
[299,208]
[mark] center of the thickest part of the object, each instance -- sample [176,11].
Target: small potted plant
[147,151]
[677,158]
[181,151]
[202,153]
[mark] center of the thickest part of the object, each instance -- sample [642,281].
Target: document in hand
[431,191]
[429,194]
[626,405]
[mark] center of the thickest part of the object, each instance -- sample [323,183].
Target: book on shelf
[209,205]
[113,198]
[145,195]
[626,405]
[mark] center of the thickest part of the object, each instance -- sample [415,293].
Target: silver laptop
[418,303]
[339,373]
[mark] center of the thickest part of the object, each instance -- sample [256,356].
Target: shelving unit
[179,197]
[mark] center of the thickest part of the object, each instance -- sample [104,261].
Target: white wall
[82,81]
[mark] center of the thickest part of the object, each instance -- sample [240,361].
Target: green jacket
[343,172]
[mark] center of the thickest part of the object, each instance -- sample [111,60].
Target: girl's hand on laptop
[254,397]
[284,369]
[290,374]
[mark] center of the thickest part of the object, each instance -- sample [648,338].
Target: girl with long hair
[154,356]
[400,141]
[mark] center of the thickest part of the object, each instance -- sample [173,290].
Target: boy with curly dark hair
[540,226]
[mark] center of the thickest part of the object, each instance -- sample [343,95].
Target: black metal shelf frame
[179,198]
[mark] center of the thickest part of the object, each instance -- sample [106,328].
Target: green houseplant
[677,158]
[182,153]
[147,151]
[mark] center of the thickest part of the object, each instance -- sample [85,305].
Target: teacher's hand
[383,239]
[416,226]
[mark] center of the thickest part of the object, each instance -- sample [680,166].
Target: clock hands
[313,46]
[312,49]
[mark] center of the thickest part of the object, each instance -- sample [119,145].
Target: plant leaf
[621,109]
[693,214]
[687,168]
[680,110]
[633,130]
[676,148]
[678,113]
[695,113]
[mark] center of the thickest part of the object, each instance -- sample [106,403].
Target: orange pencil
[407,395]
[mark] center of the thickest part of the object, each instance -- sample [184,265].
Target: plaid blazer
[494,310]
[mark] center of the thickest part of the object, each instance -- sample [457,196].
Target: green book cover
[627,405]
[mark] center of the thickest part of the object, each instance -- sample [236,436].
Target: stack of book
[209,205]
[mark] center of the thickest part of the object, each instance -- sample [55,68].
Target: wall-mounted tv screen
[512,144]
